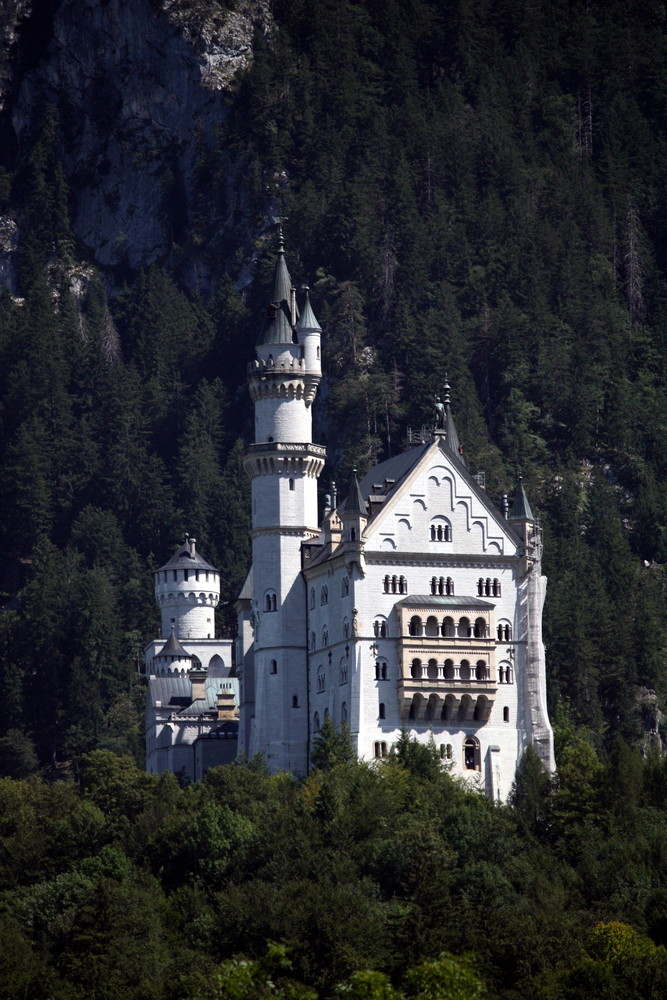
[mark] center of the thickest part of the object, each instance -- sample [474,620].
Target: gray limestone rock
[138,87]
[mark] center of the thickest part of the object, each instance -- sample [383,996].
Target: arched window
[295,701]
[383,749]
[273,668]
[403,585]
[381,712]
[387,584]
[343,712]
[496,588]
[415,626]
[324,595]
[394,584]
[487,587]
[416,669]
[321,679]
[432,670]
[380,670]
[464,629]
[471,754]
[346,628]
[480,670]
[377,750]
[380,628]
[313,640]
[464,670]
[480,587]
[449,670]
[316,722]
[448,629]
[353,534]
[449,587]
[325,636]
[342,671]
[504,631]
[291,484]
[441,530]
[506,714]
[270,600]
[434,585]
[312,597]
[480,628]
[345,586]
[432,627]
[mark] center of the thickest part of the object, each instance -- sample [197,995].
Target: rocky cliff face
[138,88]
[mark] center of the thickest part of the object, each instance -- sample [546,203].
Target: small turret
[354,515]
[187,590]
[309,334]
[172,658]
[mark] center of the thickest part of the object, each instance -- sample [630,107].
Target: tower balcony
[282,458]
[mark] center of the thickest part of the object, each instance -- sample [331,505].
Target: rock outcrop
[139,89]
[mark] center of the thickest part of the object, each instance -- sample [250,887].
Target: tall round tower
[187,590]
[283,465]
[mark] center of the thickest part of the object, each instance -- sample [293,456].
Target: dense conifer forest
[471,189]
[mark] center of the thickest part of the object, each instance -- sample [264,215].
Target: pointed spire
[308,320]
[521,508]
[355,503]
[277,326]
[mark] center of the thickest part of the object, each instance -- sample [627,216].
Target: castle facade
[413,604]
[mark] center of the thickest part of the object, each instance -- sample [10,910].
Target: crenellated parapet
[277,458]
[290,382]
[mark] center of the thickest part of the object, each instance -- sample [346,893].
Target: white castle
[414,604]
[191,717]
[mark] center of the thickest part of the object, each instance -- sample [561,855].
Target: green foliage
[332,746]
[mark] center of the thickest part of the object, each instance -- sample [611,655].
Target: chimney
[226,709]
[198,683]
[192,542]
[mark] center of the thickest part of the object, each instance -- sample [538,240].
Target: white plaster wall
[284,420]
[311,346]
[190,620]
[274,504]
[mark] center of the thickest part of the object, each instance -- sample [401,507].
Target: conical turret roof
[277,325]
[308,320]
[354,502]
[172,647]
[186,557]
[521,508]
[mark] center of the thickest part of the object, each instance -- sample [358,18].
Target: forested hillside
[471,188]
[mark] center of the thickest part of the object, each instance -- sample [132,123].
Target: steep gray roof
[172,647]
[308,320]
[354,502]
[277,325]
[521,510]
[395,469]
[183,559]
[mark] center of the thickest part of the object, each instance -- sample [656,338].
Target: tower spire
[278,323]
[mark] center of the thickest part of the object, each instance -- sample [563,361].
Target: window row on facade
[442,586]
[395,585]
[448,628]
[183,574]
[450,671]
